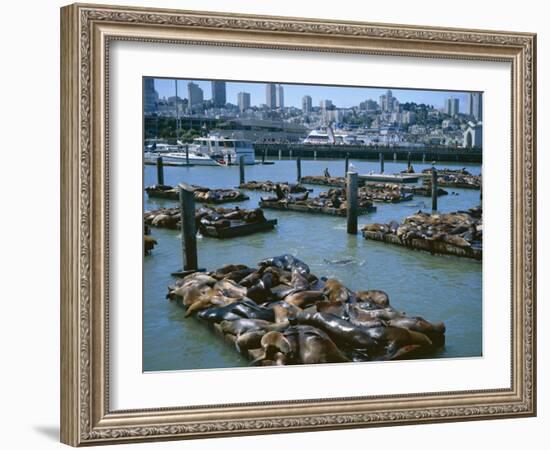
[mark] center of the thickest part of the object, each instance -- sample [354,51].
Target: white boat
[320,136]
[193,158]
[225,150]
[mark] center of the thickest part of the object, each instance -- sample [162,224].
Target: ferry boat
[224,150]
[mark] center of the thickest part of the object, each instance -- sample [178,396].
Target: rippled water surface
[439,288]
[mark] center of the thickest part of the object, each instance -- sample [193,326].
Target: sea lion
[241,309]
[286,262]
[336,291]
[379,343]
[304,298]
[149,243]
[434,331]
[249,340]
[374,297]
[229,288]
[298,281]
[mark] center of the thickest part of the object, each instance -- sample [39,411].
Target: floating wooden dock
[238,230]
[390,178]
[200,194]
[431,246]
[313,209]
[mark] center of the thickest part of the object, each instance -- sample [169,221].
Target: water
[439,288]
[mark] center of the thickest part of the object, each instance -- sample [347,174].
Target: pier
[409,154]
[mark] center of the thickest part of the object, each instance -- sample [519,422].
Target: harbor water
[438,288]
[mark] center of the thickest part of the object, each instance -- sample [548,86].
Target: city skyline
[341,96]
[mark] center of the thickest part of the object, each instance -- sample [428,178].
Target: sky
[342,97]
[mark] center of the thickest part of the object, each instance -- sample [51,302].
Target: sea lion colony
[402,189]
[460,178]
[279,313]
[200,193]
[204,217]
[271,186]
[329,201]
[462,229]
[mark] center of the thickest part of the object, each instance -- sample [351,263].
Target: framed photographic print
[281,224]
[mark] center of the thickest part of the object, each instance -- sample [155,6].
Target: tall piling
[241,169]
[188,230]
[263,156]
[394,156]
[280,154]
[351,201]
[298,168]
[381,157]
[160,171]
[409,160]
[346,167]
[187,154]
[434,188]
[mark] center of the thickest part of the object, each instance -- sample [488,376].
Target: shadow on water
[439,288]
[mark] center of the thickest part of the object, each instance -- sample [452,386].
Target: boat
[225,150]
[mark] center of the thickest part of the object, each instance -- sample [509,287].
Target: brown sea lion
[304,298]
[336,291]
[374,296]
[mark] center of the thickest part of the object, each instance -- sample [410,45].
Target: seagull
[352,168]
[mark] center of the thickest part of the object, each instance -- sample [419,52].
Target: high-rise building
[150,96]
[280,97]
[243,100]
[452,107]
[194,95]
[306,104]
[388,103]
[326,104]
[475,105]
[218,94]
[271,95]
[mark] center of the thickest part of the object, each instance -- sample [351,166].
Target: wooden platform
[311,209]
[390,178]
[238,230]
[431,246]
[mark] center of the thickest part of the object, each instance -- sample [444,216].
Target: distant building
[388,103]
[306,104]
[271,95]
[408,117]
[326,104]
[150,96]
[473,136]
[368,105]
[280,97]
[195,95]
[218,94]
[452,107]
[243,100]
[475,105]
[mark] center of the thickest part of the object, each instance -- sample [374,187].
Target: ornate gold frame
[86,31]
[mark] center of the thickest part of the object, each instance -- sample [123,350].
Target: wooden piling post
[160,171]
[280,154]
[351,201]
[346,164]
[434,188]
[263,156]
[188,231]
[298,168]
[409,160]
[187,154]
[315,154]
[394,156]
[241,169]
[381,157]
[423,157]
